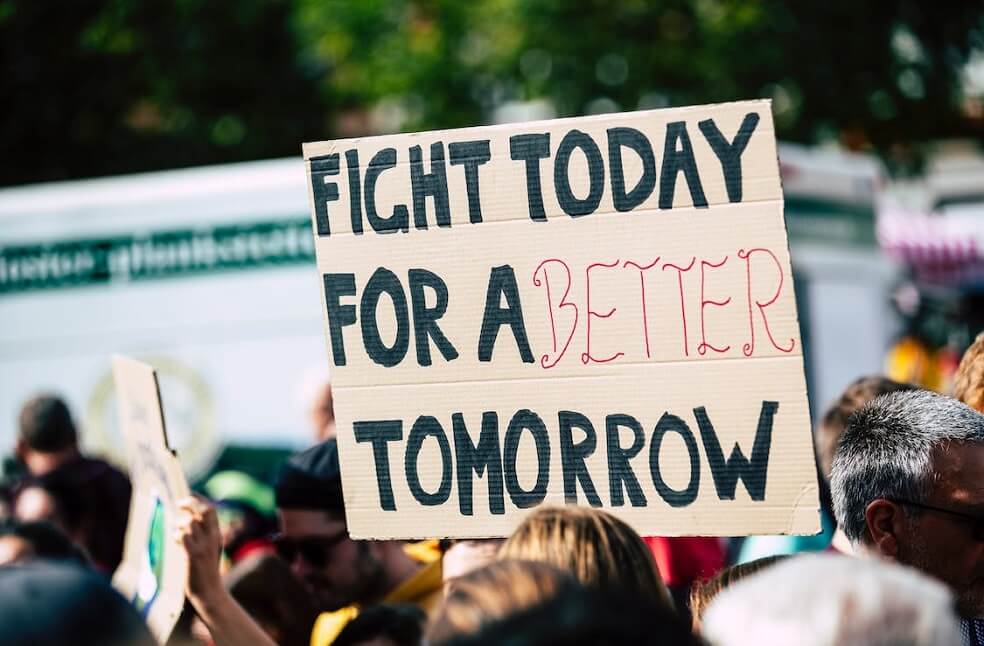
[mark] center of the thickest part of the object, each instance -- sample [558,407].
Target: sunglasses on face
[313,549]
[975,522]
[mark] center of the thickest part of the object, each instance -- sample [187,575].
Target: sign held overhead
[596,311]
[155,566]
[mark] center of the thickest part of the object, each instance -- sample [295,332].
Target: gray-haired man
[908,485]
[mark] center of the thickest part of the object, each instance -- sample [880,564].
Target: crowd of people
[900,559]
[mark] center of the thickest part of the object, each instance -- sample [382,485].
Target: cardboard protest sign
[155,567]
[596,311]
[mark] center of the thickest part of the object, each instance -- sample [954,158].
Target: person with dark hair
[95,493]
[587,616]
[47,436]
[341,574]
[57,504]
[21,542]
[53,604]
[906,483]
[385,624]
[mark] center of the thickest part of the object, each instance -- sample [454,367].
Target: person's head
[908,484]
[458,558]
[596,547]
[968,383]
[834,421]
[586,616]
[45,429]
[51,604]
[828,600]
[387,624]
[703,592]
[493,592]
[314,538]
[88,500]
[55,504]
[22,542]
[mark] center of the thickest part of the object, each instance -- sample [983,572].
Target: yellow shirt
[423,589]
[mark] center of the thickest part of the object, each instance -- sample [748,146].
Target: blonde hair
[968,384]
[494,592]
[597,548]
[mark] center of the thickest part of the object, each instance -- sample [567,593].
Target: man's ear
[885,521]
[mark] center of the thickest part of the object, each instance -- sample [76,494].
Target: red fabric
[683,560]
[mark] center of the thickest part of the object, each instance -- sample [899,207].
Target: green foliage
[107,86]
[94,87]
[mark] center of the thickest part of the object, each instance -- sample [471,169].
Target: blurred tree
[883,75]
[106,86]
[95,87]
[408,64]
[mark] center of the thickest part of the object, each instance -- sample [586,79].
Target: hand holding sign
[198,531]
[595,311]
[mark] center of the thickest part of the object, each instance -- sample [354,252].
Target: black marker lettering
[471,155]
[572,457]
[730,154]
[752,472]
[532,148]
[379,434]
[675,161]
[482,458]
[323,191]
[433,184]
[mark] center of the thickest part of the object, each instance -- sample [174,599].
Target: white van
[206,273]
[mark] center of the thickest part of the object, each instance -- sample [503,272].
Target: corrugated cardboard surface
[155,473]
[673,350]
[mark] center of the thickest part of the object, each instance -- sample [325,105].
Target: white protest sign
[596,311]
[155,566]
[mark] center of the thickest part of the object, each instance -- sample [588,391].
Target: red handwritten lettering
[749,348]
[642,286]
[703,346]
[683,305]
[545,361]
[586,357]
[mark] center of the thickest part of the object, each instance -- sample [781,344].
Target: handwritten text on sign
[593,310]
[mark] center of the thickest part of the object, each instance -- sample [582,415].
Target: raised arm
[230,625]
